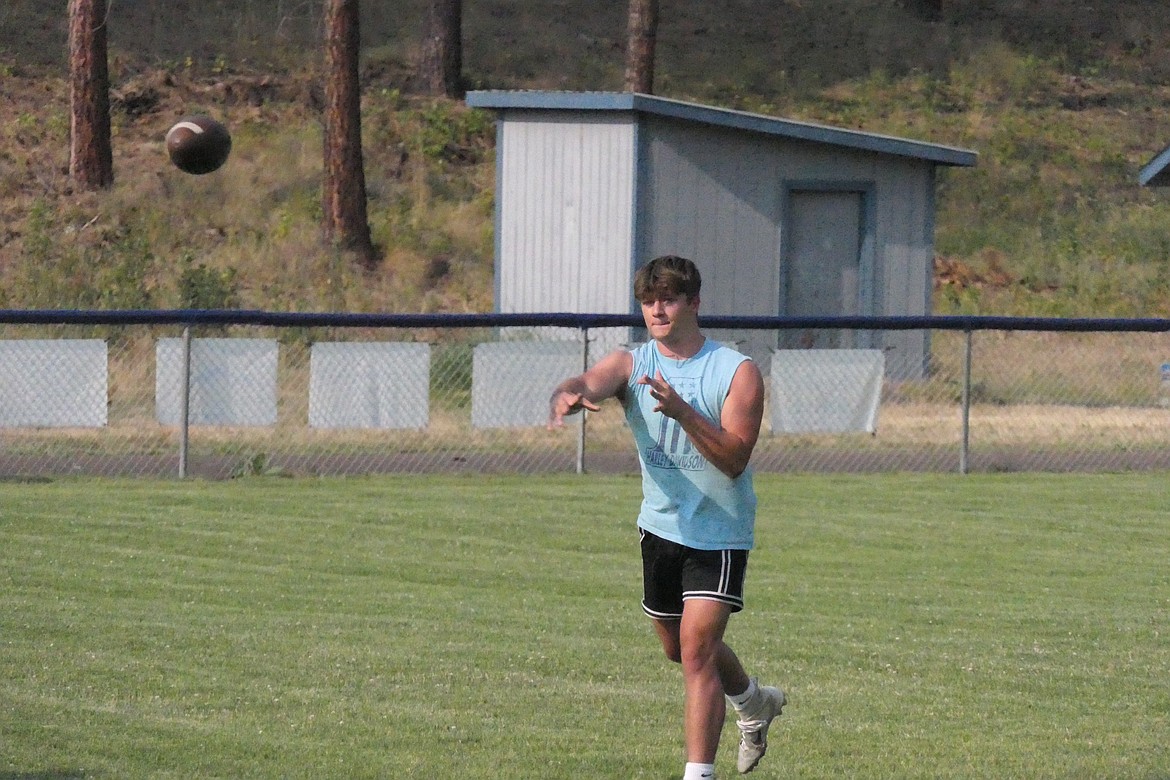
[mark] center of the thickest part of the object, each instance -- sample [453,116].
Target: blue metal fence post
[184,401]
[965,445]
[584,413]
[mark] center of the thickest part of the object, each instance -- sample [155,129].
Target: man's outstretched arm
[606,379]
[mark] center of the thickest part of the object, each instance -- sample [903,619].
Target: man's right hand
[564,403]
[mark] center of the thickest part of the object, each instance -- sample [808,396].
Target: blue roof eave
[722,117]
[1154,174]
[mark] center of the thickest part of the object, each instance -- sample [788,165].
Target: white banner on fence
[369,385]
[511,381]
[53,383]
[233,382]
[826,390]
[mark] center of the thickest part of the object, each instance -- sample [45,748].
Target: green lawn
[933,626]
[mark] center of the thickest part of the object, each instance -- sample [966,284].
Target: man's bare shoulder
[748,379]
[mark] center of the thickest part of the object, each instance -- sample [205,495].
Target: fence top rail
[195,317]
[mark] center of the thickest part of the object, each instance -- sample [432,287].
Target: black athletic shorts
[673,573]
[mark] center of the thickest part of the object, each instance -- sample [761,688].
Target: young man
[695,409]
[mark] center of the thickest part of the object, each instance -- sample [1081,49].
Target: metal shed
[782,217]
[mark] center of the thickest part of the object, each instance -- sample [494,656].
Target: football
[198,144]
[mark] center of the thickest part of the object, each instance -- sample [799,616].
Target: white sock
[699,771]
[739,701]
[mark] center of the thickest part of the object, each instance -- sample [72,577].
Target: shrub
[201,287]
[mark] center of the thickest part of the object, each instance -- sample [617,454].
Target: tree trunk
[344,187]
[91,155]
[442,57]
[642,36]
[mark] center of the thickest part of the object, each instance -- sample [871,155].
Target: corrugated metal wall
[714,196]
[565,213]
[719,196]
[566,217]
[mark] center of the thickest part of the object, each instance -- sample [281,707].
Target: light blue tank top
[685,498]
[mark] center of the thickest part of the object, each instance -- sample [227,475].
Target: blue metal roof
[1155,173]
[721,117]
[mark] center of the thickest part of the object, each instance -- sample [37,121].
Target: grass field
[1001,626]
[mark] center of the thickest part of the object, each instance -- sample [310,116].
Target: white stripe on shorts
[724,584]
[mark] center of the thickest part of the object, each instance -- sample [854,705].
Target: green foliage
[440,132]
[201,287]
[256,465]
[451,375]
[945,96]
[33,128]
[956,299]
[61,268]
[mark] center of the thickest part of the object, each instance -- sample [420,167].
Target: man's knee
[698,654]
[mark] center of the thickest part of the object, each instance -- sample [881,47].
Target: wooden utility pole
[91,154]
[442,57]
[642,36]
[344,187]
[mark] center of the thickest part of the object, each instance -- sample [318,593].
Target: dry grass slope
[1063,101]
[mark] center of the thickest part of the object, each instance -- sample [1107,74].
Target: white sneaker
[753,733]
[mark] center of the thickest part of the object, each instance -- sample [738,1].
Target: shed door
[823,264]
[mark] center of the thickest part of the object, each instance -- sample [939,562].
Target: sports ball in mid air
[198,144]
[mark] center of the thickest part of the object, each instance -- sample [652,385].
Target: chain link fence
[224,394]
